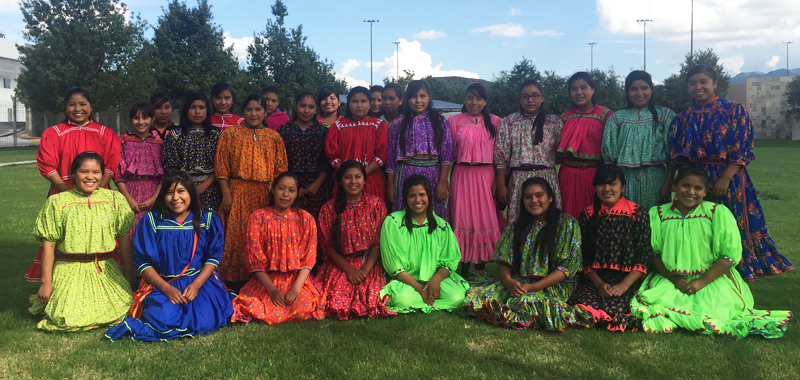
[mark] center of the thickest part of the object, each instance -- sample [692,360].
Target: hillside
[742,77]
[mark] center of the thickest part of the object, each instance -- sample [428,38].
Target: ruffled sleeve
[740,137]
[610,148]
[642,249]
[504,248]
[332,144]
[656,235]
[381,144]
[727,244]
[502,145]
[445,149]
[47,157]
[124,215]
[281,162]
[394,242]
[215,239]
[222,159]
[393,149]
[145,248]
[380,215]
[450,254]
[568,247]
[254,257]
[308,248]
[667,118]
[326,217]
[50,223]
[111,152]
[172,153]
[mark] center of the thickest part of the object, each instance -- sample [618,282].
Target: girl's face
[359,105]
[417,201]
[474,103]
[141,123]
[375,101]
[272,102]
[284,193]
[223,101]
[391,103]
[178,200]
[353,182]
[640,93]
[536,201]
[305,109]
[163,114]
[330,105]
[419,101]
[197,112]
[88,176]
[254,114]
[530,99]
[701,87]
[609,193]
[581,94]
[689,192]
[78,109]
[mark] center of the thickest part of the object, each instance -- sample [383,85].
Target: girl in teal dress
[537,258]
[695,285]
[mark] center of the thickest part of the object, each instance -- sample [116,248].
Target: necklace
[255,137]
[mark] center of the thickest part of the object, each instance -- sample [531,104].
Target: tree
[190,54]
[793,97]
[503,93]
[674,93]
[609,89]
[403,81]
[280,57]
[86,43]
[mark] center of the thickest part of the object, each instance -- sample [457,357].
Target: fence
[12,124]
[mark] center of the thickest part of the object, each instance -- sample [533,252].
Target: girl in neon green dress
[81,288]
[695,285]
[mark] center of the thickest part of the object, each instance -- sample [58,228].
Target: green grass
[440,345]
[27,153]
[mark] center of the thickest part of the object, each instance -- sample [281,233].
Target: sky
[479,39]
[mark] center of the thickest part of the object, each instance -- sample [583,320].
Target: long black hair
[159,99]
[208,128]
[324,93]
[605,174]
[340,203]
[695,171]
[398,92]
[218,88]
[541,116]
[86,156]
[478,90]
[545,242]
[300,97]
[410,182]
[82,92]
[277,179]
[144,107]
[259,99]
[651,105]
[180,177]
[586,77]
[408,116]
[353,91]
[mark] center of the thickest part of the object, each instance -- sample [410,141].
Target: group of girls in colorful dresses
[232,218]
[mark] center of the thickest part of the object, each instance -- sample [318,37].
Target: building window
[6,82]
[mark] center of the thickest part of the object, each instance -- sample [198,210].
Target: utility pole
[397,44]
[691,36]
[787,57]
[645,21]
[370,48]
[591,45]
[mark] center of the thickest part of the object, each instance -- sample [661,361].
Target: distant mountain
[742,77]
[456,81]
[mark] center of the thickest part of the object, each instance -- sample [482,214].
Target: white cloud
[514,12]
[733,64]
[9,6]
[353,82]
[239,45]
[429,34]
[348,66]
[508,30]
[774,61]
[546,33]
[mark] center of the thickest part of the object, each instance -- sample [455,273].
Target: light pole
[591,45]
[645,21]
[787,57]
[691,36]
[370,48]
[397,43]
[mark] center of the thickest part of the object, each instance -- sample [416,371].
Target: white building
[10,68]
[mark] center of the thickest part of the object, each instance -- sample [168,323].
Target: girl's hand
[423,292]
[664,193]
[227,201]
[604,289]
[301,193]
[201,188]
[355,276]
[680,283]
[132,202]
[390,193]
[515,288]
[291,296]
[694,286]
[442,190]
[502,194]
[277,297]
[433,292]
[174,295]
[312,189]
[190,292]
[493,189]
[45,291]
[721,187]
[617,290]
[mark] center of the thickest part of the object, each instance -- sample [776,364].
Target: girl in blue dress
[177,248]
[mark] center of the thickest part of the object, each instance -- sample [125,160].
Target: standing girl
[580,146]
[695,285]
[177,250]
[305,150]
[474,215]
[280,250]
[717,135]
[393,97]
[81,288]
[636,139]
[359,137]
[62,142]
[140,172]
[420,143]
[526,147]
[162,119]
[352,276]
[616,252]
[248,159]
[192,147]
[223,97]
[328,106]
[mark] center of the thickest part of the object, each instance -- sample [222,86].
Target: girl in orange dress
[280,250]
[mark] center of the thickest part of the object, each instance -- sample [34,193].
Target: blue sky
[479,39]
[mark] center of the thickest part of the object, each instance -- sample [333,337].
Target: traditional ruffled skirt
[577,192]
[642,185]
[426,168]
[490,300]
[345,300]
[474,215]
[724,307]
[248,196]
[404,299]
[253,302]
[141,190]
[613,313]
[314,203]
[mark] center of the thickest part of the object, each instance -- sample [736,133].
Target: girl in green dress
[420,252]
[81,288]
[695,285]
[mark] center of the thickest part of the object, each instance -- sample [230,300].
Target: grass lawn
[440,345]
[27,153]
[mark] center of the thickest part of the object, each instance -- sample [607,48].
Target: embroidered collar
[70,122]
[622,207]
[223,114]
[149,136]
[712,100]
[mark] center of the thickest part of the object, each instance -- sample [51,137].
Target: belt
[197,178]
[83,258]
[529,168]
[473,164]
[412,162]
[140,178]
[580,163]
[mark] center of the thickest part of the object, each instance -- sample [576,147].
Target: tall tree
[793,97]
[403,81]
[190,52]
[674,93]
[503,93]
[87,43]
[609,89]
[280,57]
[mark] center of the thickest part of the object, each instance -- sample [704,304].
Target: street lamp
[691,35]
[370,48]
[591,44]
[397,43]
[645,21]
[787,57]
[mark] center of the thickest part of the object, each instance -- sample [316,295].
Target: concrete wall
[10,68]
[766,103]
